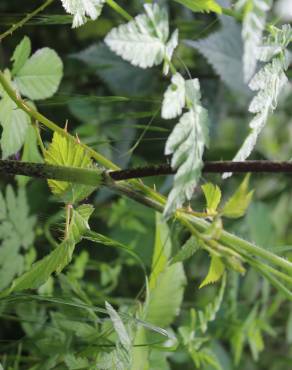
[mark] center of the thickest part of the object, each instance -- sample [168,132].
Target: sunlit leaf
[215,272]
[237,205]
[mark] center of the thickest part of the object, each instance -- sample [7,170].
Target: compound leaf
[143,41]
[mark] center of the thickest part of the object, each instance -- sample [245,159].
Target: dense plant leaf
[201,5]
[186,143]
[254,20]
[16,234]
[40,76]
[143,41]
[82,8]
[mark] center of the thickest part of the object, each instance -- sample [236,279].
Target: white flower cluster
[82,8]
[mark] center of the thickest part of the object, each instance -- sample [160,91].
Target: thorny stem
[25,19]
[141,193]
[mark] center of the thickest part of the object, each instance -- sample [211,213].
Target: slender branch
[209,167]
[96,176]
[25,19]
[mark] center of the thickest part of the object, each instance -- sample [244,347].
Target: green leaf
[143,41]
[16,234]
[40,76]
[21,55]
[40,271]
[64,151]
[162,250]
[213,197]
[190,247]
[201,5]
[215,272]
[166,282]
[15,123]
[186,143]
[237,205]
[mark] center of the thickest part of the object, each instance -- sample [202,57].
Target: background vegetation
[115,109]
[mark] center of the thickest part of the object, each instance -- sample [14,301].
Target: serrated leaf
[40,76]
[174,98]
[21,55]
[237,205]
[213,196]
[65,151]
[201,5]
[142,41]
[82,8]
[223,50]
[215,272]
[269,82]
[57,260]
[253,25]
[190,247]
[186,144]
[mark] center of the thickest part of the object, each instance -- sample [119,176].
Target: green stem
[25,20]
[117,8]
